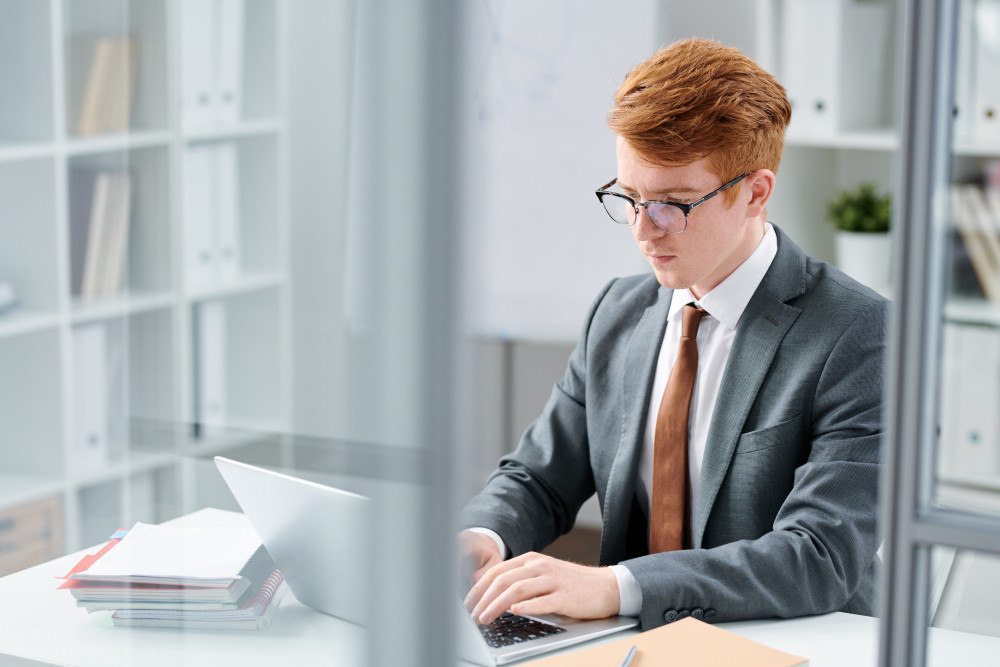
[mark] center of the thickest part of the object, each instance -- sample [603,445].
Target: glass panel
[965,596]
[967,466]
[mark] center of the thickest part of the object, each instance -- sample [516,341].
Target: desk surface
[41,623]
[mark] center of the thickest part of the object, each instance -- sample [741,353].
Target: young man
[774,510]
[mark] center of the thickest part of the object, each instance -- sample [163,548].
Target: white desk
[41,625]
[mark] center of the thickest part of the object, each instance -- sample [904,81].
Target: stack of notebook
[174,576]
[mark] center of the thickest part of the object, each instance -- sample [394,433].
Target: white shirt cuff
[504,551]
[628,591]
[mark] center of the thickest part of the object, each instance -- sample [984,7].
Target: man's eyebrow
[665,193]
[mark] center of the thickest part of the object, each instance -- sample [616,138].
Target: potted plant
[861,217]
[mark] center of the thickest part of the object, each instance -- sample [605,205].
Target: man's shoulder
[639,286]
[807,282]
[829,285]
[629,293]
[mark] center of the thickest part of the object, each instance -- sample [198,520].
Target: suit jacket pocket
[779,435]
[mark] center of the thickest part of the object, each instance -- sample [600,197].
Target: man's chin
[670,280]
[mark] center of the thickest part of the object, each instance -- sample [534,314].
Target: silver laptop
[282,509]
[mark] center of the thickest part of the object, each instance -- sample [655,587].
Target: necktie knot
[690,319]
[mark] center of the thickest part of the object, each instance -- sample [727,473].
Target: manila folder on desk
[687,642]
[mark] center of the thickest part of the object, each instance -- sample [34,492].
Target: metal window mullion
[960,531]
[911,406]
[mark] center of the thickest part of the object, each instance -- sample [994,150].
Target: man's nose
[643,228]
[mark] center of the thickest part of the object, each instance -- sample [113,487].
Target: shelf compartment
[28,255]
[236,365]
[31,404]
[231,212]
[26,72]
[86,22]
[123,381]
[99,510]
[145,263]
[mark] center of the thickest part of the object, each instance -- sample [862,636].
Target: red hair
[699,99]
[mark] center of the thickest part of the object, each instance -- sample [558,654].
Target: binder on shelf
[210,408]
[833,57]
[91,448]
[101,74]
[986,82]
[118,100]
[197,28]
[116,365]
[199,241]
[963,107]
[227,207]
[989,229]
[984,262]
[971,428]
[211,214]
[97,236]
[809,50]
[229,74]
[117,227]
[212,33]
[88,61]
[100,212]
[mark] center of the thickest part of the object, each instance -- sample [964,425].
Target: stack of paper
[172,576]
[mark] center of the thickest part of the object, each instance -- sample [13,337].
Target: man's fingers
[500,599]
[538,584]
[487,575]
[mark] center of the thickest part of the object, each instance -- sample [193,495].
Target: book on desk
[190,577]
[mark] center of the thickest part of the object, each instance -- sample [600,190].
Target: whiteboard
[538,81]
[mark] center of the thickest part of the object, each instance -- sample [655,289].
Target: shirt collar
[729,299]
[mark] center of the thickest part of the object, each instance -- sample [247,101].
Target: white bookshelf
[148,322]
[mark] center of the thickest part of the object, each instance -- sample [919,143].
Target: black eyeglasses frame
[686,209]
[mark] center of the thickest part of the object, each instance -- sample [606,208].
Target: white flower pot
[866,257]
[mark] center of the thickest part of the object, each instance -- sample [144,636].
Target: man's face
[717,239]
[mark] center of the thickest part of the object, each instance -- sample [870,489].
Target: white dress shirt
[724,306]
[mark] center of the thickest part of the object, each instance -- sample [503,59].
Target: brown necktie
[669,506]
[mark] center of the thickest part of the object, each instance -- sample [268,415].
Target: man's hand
[478,553]
[537,584]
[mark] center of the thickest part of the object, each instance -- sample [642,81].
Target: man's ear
[760,185]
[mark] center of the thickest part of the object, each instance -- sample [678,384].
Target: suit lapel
[764,324]
[635,384]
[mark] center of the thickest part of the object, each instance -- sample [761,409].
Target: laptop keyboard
[512,629]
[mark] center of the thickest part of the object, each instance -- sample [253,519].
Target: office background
[356,241]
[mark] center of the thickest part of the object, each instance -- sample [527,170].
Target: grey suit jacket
[785,520]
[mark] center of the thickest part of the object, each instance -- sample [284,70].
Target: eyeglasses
[668,216]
